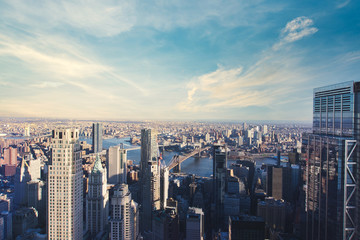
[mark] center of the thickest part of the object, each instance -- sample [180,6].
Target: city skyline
[186,61]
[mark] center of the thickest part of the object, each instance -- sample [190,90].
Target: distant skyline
[174,60]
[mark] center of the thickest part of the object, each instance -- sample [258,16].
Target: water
[201,167]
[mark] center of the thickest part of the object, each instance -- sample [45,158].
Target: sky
[174,60]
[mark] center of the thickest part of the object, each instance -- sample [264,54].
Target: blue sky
[174,60]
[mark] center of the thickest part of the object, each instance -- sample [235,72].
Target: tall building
[10,155]
[97,137]
[165,224]
[195,224]
[150,195]
[149,147]
[22,176]
[279,182]
[65,186]
[150,178]
[116,158]
[36,198]
[97,207]
[219,180]
[330,164]
[164,186]
[246,227]
[124,217]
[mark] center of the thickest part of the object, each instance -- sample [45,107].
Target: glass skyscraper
[330,163]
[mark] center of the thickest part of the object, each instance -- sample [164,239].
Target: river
[201,167]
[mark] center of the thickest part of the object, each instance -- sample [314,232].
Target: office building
[124,216]
[166,224]
[6,225]
[116,158]
[151,194]
[37,198]
[22,176]
[65,187]
[164,186]
[246,227]
[97,199]
[24,219]
[149,178]
[195,224]
[330,164]
[97,137]
[276,213]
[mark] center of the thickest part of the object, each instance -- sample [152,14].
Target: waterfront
[201,167]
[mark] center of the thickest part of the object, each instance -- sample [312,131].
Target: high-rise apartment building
[97,137]
[97,208]
[330,164]
[116,158]
[65,187]
[124,218]
[10,155]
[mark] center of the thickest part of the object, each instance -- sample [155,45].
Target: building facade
[97,207]
[330,163]
[97,137]
[65,187]
[195,224]
[149,178]
[124,217]
[116,165]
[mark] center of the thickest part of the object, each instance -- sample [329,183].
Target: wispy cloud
[48,84]
[59,59]
[343,4]
[269,81]
[110,18]
[295,30]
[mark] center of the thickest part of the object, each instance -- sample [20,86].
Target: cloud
[343,4]
[270,81]
[63,60]
[48,85]
[295,30]
[264,84]
[110,18]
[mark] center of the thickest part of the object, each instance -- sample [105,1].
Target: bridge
[177,160]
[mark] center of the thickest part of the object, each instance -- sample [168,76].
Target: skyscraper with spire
[65,187]
[97,207]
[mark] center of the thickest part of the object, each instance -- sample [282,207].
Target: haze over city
[225,60]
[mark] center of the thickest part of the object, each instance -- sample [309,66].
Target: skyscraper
[150,194]
[124,217]
[150,178]
[219,179]
[97,137]
[65,186]
[164,186]
[195,224]
[116,164]
[330,162]
[97,208]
